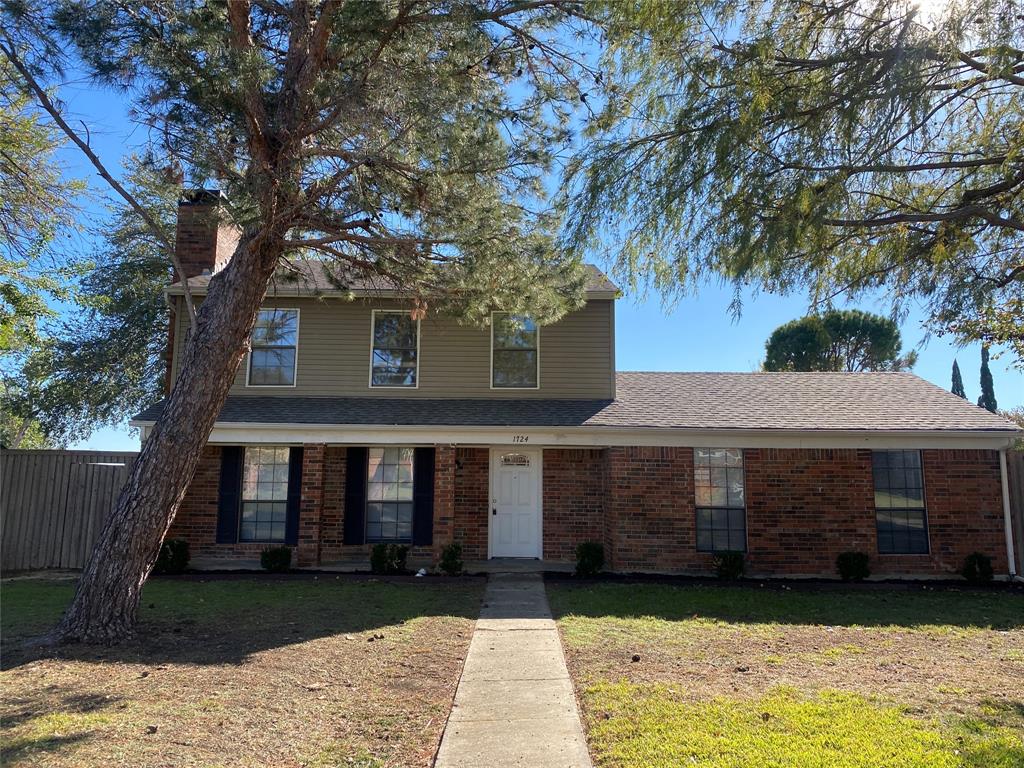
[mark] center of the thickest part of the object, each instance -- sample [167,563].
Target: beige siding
[576,354]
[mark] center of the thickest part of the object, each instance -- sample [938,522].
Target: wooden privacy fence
[53,504]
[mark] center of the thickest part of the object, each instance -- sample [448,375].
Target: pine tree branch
[9,51]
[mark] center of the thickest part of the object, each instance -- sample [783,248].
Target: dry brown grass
[244,672]
[739,676]
[939,653]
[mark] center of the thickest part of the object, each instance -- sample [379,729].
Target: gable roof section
[812,402]
[310,277]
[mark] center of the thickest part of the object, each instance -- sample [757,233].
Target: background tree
[987,399]
[958,382]
[836,147]
[404,140]
[1016,415]
[103,361]
[35,203]
[838,340]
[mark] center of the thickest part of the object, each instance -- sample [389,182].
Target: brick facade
[803,507]
[574,498]
[472,505]
[651,515]
[202,242]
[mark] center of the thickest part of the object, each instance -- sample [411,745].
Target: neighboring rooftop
[309,277]
[887,402]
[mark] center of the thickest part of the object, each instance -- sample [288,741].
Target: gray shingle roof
[317,278]
[697,401]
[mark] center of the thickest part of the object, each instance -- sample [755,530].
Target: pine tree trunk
[105,606]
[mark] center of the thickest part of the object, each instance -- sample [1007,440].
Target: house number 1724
[520,438]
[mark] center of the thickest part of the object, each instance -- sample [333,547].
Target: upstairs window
[273,348]
[514,352]
[389,500]
[719,496]
[264,494]
[899,503]
[395,354]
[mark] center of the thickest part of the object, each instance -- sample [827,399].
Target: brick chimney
[203,244]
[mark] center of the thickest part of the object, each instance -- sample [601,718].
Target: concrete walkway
[515,705]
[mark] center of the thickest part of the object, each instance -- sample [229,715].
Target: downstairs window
[389,494]
[719,496]
[900,517]
[264,494]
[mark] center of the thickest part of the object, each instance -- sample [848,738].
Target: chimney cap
[201,197]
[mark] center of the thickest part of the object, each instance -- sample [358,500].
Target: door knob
[494,511]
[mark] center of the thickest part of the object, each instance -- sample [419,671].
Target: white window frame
[242,501]
[295,371]
[411,502]
[491,371]
[373,328]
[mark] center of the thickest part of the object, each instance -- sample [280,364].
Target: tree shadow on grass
[51,726]
[902,606]
[214,620]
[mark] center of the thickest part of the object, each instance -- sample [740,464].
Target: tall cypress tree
[987,400]
[958,382]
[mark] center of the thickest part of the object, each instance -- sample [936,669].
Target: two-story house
[353,422]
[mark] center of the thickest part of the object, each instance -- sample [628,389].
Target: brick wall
[574,500]
[963,494]
[471,505]
[201,241]
[444,498]
[332,518]
[651,511]
[804,507]
[311,505]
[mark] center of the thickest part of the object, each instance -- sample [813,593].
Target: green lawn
[290,671]
[743,676]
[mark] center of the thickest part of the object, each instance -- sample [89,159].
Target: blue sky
[697,334]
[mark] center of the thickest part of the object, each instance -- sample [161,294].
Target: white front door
[515,503]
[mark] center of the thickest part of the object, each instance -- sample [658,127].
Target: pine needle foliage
[835,148]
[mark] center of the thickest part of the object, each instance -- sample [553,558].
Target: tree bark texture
[106,602]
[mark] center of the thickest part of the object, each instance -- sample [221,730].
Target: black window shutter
[355,496]
[291,525]
[230,492]
[423,497]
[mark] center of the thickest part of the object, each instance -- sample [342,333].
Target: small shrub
[173,557]
[451,559]
[589,558]
[853,566]
[729,565]
[977,568]
[276,559]
[388,558]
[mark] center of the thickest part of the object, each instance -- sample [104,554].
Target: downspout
[1011,555]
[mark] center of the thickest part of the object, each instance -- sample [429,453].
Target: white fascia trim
[229,433]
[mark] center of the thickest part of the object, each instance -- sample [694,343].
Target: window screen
[274,341]
[514,351]
[264,494]
[395,350]
[721,510]
[899,502]
[389,494]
